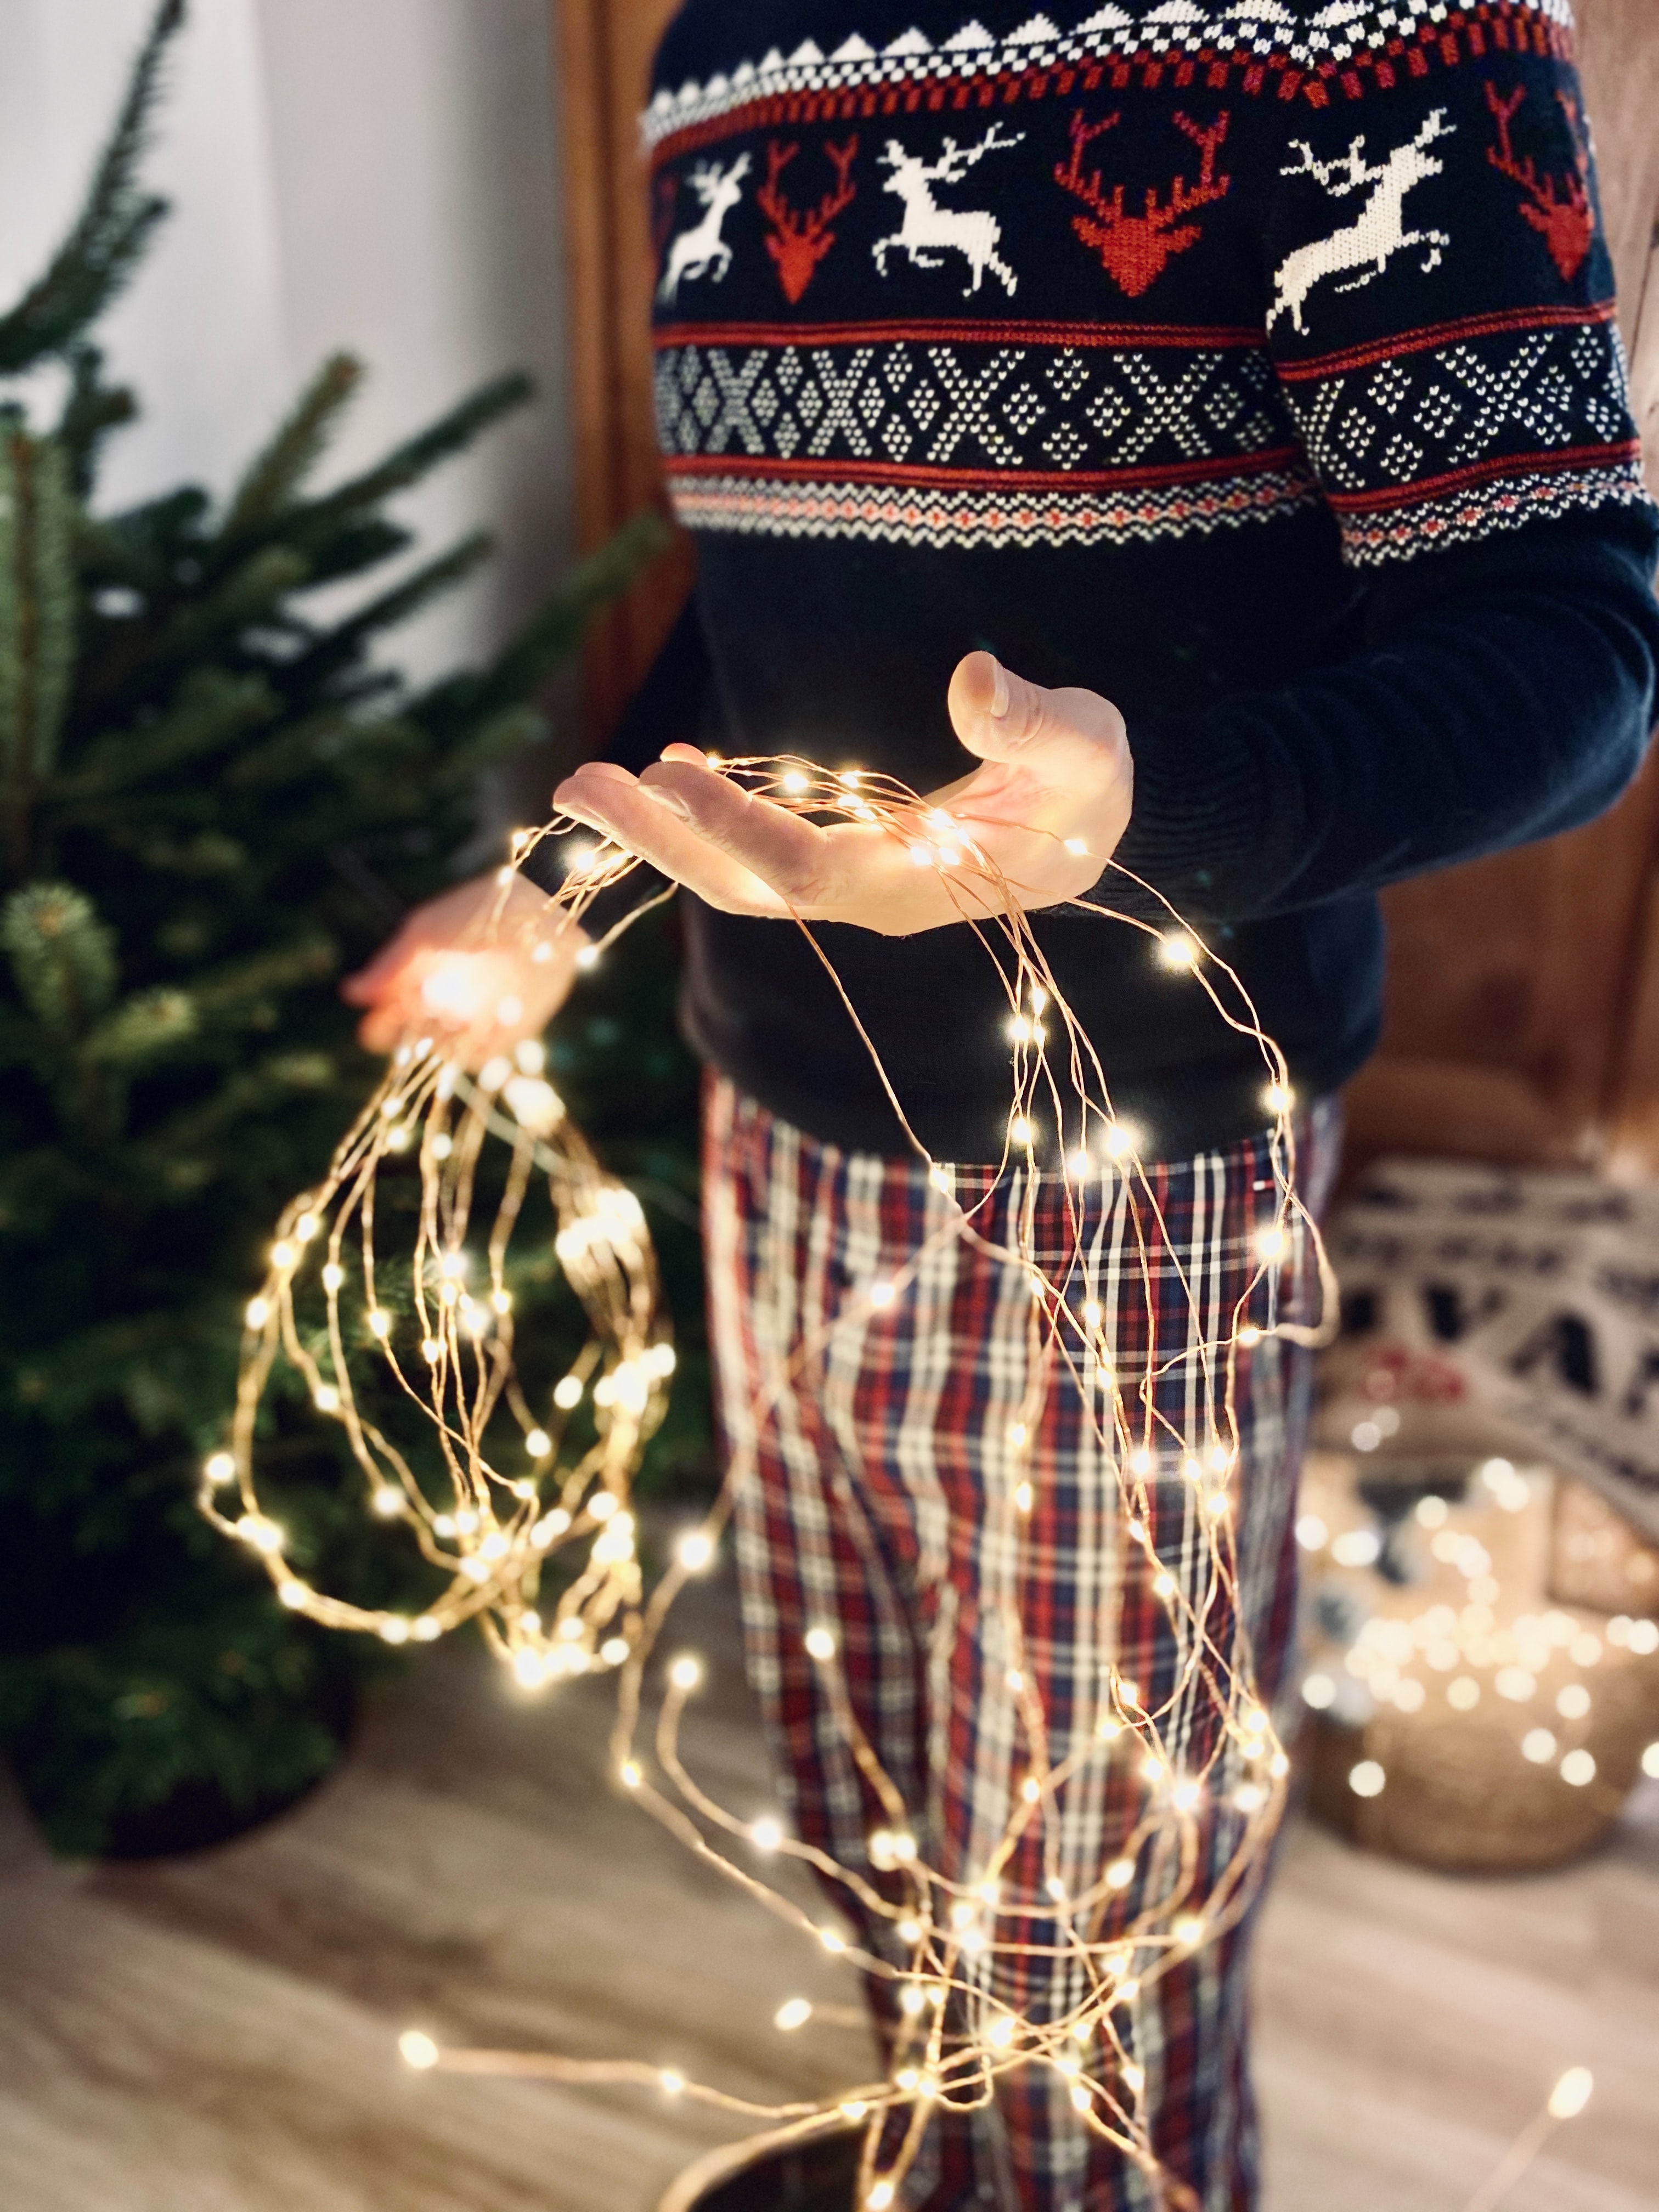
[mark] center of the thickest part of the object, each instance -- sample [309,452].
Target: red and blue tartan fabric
[878,1452]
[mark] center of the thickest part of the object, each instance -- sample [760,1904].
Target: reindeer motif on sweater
[930,231]
[1371,241]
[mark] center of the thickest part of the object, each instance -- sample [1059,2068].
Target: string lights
[1444,1641]
[502,1492]
[413,1359]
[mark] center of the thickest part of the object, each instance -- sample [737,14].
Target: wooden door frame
[601,90]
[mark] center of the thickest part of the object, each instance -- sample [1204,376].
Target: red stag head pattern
[1565,220]
[1135,250]
[799,239]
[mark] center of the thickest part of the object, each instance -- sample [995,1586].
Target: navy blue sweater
[1254,368]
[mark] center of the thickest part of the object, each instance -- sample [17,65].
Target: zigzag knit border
[1475,511]
[941,517]
[1345,50]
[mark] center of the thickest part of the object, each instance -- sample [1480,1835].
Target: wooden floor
[219,2035]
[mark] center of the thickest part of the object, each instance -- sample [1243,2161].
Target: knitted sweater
[1252,364]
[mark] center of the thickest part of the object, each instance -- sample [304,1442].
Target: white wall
[381,175]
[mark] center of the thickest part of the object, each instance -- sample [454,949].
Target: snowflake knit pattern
[1018,280]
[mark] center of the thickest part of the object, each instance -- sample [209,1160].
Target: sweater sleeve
[1505,692]
[1439,309]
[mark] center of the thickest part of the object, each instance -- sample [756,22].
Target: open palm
[1035,823]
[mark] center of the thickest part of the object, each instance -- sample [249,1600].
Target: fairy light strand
[514,1495]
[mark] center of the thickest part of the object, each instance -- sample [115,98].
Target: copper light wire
[516,1495]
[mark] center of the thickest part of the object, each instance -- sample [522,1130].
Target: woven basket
[1459,1795]
[1457,1791]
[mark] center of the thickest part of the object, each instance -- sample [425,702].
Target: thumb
[1000,716]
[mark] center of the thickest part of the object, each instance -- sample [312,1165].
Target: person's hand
[1045,808]
[448,974]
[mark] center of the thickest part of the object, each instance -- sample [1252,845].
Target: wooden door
[1523,991]
[604,49]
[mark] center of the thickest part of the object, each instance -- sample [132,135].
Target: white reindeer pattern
[928,227]
[1377,233]
[693,250]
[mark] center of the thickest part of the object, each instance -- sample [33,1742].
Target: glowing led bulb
[1571,2094]
[793,2014]
[417,2050]
[1367,1779]
[1120,1873]
[766,1835]
[388,1501]
[1177,951]
[820,1644]
[219,1468]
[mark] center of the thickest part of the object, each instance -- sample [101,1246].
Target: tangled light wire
[515,1495]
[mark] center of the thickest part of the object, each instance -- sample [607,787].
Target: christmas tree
[212,804]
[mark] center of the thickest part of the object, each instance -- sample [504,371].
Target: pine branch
[338,648]
[212,710]
[37,624]
[91,410]
[276,474]
[147,1024]
[250,1090]
[333,738]
[406,464]
[450,707]
[62,958]
[228,991]
[502,738]
[94,262]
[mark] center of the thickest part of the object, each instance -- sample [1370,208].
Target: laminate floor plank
[218,2034]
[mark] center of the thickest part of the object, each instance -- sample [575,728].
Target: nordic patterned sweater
[1253,364]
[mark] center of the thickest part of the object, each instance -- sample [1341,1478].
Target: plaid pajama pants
[875,1468]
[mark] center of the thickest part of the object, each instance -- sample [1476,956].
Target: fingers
[778,847]
[655,822]
[1057,735]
